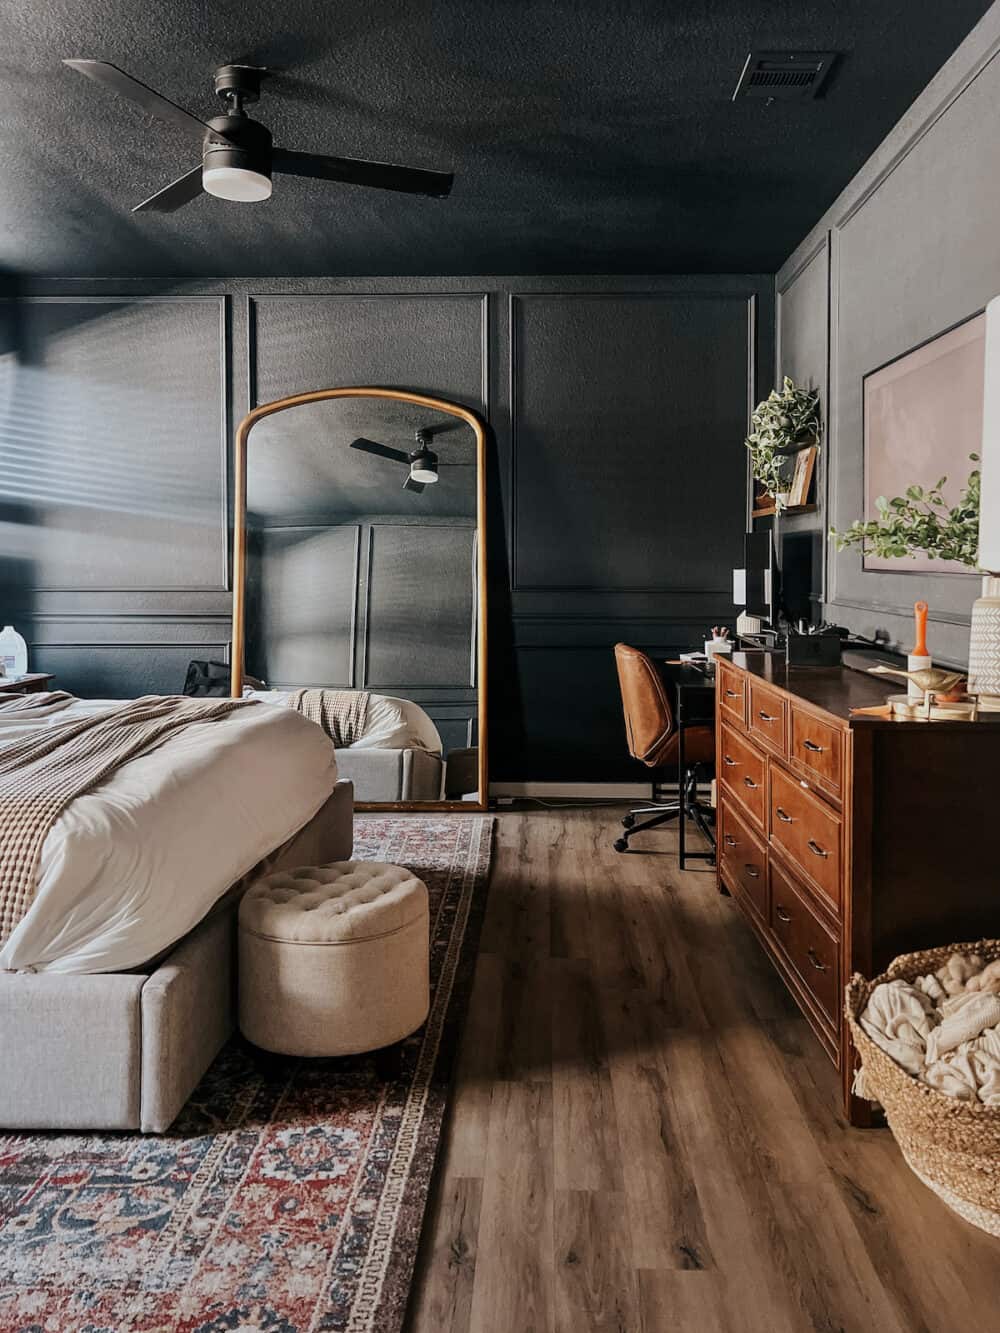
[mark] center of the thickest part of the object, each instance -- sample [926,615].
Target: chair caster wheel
[628,821]
[621,845]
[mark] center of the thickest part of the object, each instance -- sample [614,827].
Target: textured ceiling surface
[588,136]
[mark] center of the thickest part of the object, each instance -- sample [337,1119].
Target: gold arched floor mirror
[359,570]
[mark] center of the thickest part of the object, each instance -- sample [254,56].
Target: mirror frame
[238,651]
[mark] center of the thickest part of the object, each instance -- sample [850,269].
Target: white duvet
[135,864]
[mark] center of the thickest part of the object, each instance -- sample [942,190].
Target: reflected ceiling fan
[237,154]
[423,462]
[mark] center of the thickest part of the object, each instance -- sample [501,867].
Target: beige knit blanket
[341,713]
[43,771]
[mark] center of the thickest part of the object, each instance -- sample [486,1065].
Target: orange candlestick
[920,615]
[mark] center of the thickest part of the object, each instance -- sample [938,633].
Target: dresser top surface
[838,690]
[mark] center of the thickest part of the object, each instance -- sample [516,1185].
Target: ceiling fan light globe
[238,184]
[423,472]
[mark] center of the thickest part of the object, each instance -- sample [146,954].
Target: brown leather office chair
[653,739]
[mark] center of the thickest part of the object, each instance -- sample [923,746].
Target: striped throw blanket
[341,713]
[43,771]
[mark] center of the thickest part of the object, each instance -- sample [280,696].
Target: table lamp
[984,641]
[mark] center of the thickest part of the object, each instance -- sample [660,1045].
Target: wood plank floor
[646,1138]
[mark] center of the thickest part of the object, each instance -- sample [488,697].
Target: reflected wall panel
[420,628]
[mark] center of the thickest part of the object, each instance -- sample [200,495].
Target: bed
[116,985]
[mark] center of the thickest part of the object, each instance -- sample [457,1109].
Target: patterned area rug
[288,1197]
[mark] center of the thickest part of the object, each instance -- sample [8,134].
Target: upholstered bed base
[126,1050]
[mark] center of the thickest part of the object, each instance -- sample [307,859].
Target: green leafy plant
[786,422]
[921,521]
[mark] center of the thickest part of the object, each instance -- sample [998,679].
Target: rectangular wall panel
[628,414]
[113,452]
[433,343]
[122,670]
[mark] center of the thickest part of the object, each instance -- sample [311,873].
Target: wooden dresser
[846,839]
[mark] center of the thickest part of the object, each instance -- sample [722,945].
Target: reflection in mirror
[362,587]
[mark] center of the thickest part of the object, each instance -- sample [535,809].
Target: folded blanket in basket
[944,1028]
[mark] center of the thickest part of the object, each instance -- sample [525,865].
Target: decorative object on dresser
[846,837]
[782,426]
[919,658]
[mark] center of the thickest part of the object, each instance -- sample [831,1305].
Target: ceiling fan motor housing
[250,149]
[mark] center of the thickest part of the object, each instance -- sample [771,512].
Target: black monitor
[797,553]
[761,577]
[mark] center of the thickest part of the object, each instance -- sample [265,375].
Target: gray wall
[909,249]
[616,482]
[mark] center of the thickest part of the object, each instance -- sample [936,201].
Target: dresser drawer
[817,748]
[731,693]
[767,716]
[744,860]
[741,769]
[807,832]
[810,947]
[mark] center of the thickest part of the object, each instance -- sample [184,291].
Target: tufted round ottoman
[334,959]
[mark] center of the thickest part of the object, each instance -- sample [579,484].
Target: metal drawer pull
[752,871]
[811,745]
[781,914]
[785,818]
[730,840]
[766,717]
[732,694]
[820,967]
[816,849]
[749,782]
[726,760]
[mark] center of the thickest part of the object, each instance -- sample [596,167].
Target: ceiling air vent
[790,75]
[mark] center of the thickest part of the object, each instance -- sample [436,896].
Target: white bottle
[13,652]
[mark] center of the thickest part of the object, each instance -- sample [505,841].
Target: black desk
[694,702]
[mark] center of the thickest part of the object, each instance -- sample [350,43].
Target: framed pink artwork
[923,417]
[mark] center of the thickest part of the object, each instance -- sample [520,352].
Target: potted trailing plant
[921,520]
[786,422]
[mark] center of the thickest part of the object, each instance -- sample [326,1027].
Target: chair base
[664,812]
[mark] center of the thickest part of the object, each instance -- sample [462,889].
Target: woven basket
[952,1146]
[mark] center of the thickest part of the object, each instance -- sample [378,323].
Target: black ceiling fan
[423,462]
[237,155]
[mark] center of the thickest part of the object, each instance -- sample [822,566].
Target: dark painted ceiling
[587,136]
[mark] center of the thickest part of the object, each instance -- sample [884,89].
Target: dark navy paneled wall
[616,480]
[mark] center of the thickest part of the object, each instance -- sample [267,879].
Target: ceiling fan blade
[175,195]
[383,450]
[410,485]
[155,103]
[356,171]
